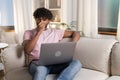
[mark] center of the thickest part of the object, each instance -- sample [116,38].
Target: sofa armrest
[1,70]
[13,54]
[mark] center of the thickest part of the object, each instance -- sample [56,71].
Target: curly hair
[43,13]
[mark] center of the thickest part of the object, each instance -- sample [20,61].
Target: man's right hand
[41,27]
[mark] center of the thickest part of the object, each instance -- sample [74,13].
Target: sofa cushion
[114,78]
[94,53]
[84,74]
[18,74]
[87,74]
[115,59]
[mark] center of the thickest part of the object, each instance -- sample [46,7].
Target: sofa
[100,59]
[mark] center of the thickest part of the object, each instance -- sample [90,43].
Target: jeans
[66,71]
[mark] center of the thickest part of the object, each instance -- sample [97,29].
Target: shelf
[55,7]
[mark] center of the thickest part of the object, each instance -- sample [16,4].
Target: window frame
[108,30]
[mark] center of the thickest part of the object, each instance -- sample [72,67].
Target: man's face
[42,21]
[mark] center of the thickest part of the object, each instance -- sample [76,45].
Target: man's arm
[72,34]
[30,44]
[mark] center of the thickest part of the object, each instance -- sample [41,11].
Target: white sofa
[100,59]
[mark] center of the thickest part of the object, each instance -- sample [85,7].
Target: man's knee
[42,69]
[76,65]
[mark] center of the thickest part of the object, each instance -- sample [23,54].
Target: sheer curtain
[88,17]
[118,27]
[23,19]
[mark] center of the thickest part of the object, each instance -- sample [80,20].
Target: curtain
[118,27]
[23,19]
[88,17]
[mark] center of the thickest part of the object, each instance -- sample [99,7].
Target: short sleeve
[60,34]
[27,35]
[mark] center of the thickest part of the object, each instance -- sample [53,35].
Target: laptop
[56,53]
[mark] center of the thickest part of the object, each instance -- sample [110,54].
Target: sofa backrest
[95,53]
[92,53]
[115,60]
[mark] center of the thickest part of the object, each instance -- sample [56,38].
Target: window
[6,15]
[108,16]
[54,4]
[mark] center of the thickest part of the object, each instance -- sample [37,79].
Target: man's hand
[41,27]
[72,34]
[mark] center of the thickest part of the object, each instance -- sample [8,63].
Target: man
[32,43]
